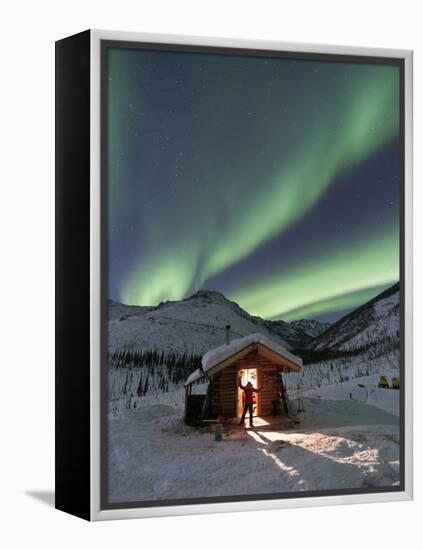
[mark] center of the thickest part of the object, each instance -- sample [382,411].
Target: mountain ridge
[204,311]
[373,321]
[197,323]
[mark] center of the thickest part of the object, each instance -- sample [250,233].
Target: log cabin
[253,358]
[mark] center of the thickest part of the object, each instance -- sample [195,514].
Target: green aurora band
[340,279]
[364,117]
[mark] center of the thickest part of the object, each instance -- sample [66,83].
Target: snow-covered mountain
[298,334]
[196,324]
[374,323]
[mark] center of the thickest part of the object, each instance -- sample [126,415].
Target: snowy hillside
[308,327]
[374,323]
[298,334]
[196,324]
[122,311]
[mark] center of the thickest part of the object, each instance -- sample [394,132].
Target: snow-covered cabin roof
[218,357]
[194,376]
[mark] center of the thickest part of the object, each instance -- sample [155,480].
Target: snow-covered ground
[348,437]
[364,389]
[154,455]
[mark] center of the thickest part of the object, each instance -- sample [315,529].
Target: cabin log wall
[224,396]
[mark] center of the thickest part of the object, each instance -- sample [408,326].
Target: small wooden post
[218,432]
[187,392]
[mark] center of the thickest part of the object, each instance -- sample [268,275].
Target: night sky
[274,181]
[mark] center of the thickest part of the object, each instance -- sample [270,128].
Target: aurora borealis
[274,181]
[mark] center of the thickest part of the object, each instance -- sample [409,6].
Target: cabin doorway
[248,375]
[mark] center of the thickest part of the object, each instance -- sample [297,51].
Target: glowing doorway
[245,376]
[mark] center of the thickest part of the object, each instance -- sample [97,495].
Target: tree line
[165,366]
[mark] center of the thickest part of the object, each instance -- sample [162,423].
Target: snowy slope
[374,323]
[297,333]
[122,311]
[196,324]
[308,327]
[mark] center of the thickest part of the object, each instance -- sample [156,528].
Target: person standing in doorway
[249,392]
